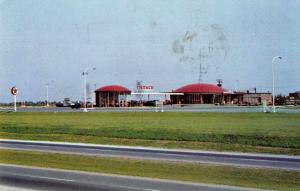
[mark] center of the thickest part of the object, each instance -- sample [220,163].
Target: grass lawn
[245,132]
[255,178]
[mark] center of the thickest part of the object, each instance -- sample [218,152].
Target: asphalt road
[220,158]
[56,180]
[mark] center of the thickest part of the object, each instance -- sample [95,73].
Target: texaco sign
[145,88]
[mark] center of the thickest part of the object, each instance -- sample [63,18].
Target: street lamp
[47,94]
[273,62]
[85,73]
[94,97]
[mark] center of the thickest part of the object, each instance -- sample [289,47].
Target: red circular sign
[14,91]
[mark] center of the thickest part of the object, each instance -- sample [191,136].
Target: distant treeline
[29,103]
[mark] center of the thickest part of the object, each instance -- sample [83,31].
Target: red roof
[113,88]
[200,88]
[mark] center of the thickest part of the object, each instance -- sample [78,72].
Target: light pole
[94,97]
[273,73]
[85,73]
[47,94]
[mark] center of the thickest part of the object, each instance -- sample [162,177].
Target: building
[293,98]
[256,98]
[202,93]
[233,97]
[295,95]
[199,93]
[247,98]
[111,96]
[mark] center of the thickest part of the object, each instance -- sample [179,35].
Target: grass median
[225,175]
[245,132]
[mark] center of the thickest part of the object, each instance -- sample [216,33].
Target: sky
[161,43]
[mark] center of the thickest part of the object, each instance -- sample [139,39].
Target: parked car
[59,104]
[75,105]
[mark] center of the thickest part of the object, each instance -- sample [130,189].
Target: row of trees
[28,103]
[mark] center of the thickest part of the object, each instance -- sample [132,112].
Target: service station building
[112,96]
[198,93]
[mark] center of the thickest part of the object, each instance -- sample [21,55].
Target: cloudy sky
[161,43]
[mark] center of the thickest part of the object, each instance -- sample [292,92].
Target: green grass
[255,178]
[246,132]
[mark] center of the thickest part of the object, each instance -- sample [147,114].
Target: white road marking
[69,180]
[43,177]
[12,188]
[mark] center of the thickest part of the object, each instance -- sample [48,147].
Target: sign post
[14,92]
[15,103]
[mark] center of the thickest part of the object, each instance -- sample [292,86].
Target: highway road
[32,178]
[220,158]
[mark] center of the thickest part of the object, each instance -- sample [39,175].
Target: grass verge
[255,178]
[254,132]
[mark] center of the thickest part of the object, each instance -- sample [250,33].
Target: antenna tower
[202,68]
